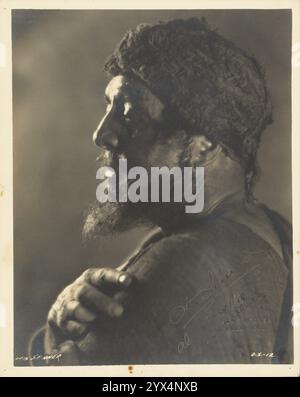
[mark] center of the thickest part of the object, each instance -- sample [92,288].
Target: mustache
[107,158]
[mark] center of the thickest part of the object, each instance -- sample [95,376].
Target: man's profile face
[133,126]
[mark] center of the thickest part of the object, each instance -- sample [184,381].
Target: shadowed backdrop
[58,88]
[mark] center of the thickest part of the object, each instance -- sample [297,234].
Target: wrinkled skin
[133,119]
[82,301]
[135,127]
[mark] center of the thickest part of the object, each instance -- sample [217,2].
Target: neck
[223,186]
[171,219]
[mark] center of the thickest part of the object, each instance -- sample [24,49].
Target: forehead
[134,91]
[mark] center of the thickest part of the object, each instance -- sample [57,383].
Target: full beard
[104,219]
[109,218]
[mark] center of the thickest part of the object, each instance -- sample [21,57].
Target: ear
[202,150]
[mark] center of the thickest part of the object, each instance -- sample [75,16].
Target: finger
[57,309]
[78,312]
[69,353]
[55,317]
[95,299]
[99,277]
[75,329]
[52,315]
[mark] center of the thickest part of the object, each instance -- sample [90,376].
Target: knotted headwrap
[214,87]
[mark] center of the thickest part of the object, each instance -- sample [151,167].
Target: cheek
[165,154]
[168,152]
[140,145]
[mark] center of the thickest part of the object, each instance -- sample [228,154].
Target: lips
[107,158]
[104,155]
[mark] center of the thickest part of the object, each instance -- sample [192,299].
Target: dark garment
[211,293]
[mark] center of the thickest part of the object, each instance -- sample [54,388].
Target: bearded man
[213,287]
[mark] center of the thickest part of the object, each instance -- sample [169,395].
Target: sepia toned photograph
[152,187]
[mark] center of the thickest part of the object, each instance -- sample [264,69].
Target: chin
[107,219]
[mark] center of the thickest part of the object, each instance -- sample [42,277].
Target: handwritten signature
[205,297]
[184,344]
[39,357]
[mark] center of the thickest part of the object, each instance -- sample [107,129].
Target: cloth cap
[214,87]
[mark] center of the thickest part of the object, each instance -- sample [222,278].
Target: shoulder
[238,270]
[214,243]
[220,283]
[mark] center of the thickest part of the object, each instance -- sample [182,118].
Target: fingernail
[66,346]
[124,279]
[81,330]
[89,317]
[117,310]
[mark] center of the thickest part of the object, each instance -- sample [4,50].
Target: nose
[105,134]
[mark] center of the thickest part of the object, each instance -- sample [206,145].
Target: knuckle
[51,315]
[115,274]
[82,291]
[86,275]
[60,321]
[98,275]
[74,328]
[89,294]
[71,307]
[64,294]
[101,273]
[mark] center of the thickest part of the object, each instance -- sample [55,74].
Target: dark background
[58,87]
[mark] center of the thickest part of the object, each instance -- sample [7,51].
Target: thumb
[69,353]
